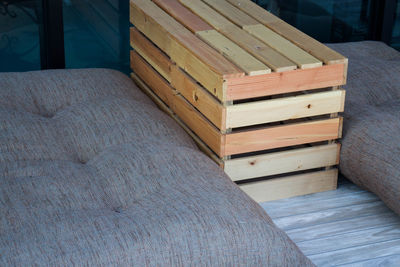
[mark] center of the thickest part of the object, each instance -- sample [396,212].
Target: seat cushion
[370,155]
[92,173]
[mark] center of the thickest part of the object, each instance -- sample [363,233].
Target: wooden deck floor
[346,227]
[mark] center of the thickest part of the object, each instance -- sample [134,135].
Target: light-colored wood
[192,91]
[349,240]
[385,261]
[325,216]
[183,15]
[191,117]
[231,13]
[359,253]
[167,110]
[310,45]
[303,59]
[285,82]
[285,108]
[150,53]
[296,185]
[202,62]
[258,49]
[282,162]
[282,136]
[250,65]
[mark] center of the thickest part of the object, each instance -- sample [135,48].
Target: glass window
[19,35]
[96,34]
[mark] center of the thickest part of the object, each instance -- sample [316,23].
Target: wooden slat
[386,261]
[286,108]
[183,15]
[303,59]
[202,62]
[291,186]
[286,82]
[231,13]
[184,84]
[358,253]
[282,162]
[192,118]
[310,45]
[282,136]
[167,110]
[250,65]
[348,240]
[258,49]
[151,53]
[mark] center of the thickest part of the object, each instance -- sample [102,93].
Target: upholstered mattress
[92,173]
[371,145]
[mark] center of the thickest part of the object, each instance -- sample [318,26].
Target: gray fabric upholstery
[370,154]
[92,173]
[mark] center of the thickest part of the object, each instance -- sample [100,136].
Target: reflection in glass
[19,35]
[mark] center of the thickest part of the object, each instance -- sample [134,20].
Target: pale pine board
[202,62]
[282,136]
[282,162]
[285,108]
[290,186]
[188,87]
[303,59]
[250,65]
[258,49]
[385,261]
[310,45]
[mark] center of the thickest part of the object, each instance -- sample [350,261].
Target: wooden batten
[285,82]
[202,62]
[296,185]
[282,162]
[282,136]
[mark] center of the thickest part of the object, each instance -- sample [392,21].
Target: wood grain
[202,62]
[285,82]
[296,185]
[282,162]
[310,45]
[258,49]
[250,65]
[190,116]
[285,108]
[192,91]
[282,136]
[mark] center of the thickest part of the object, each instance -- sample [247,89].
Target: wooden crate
[259,97]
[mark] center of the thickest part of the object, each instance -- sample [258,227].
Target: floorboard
[345,227]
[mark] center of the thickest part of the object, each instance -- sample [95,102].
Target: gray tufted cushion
[370,154]
[92,173]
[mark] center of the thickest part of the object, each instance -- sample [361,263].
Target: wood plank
[167,110]
[348,240]
[282,136]
[191,117]
[303,59]
[325,216]
[202,62]
[358,253]
[302,207]
[286,108]
[250,65]
[183,15]
[310,45]
[193,92]
[231,13]
[341,226]
[386,261]
[282,162]
[285,82]
[151,53]
[285,187]
[258,49]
